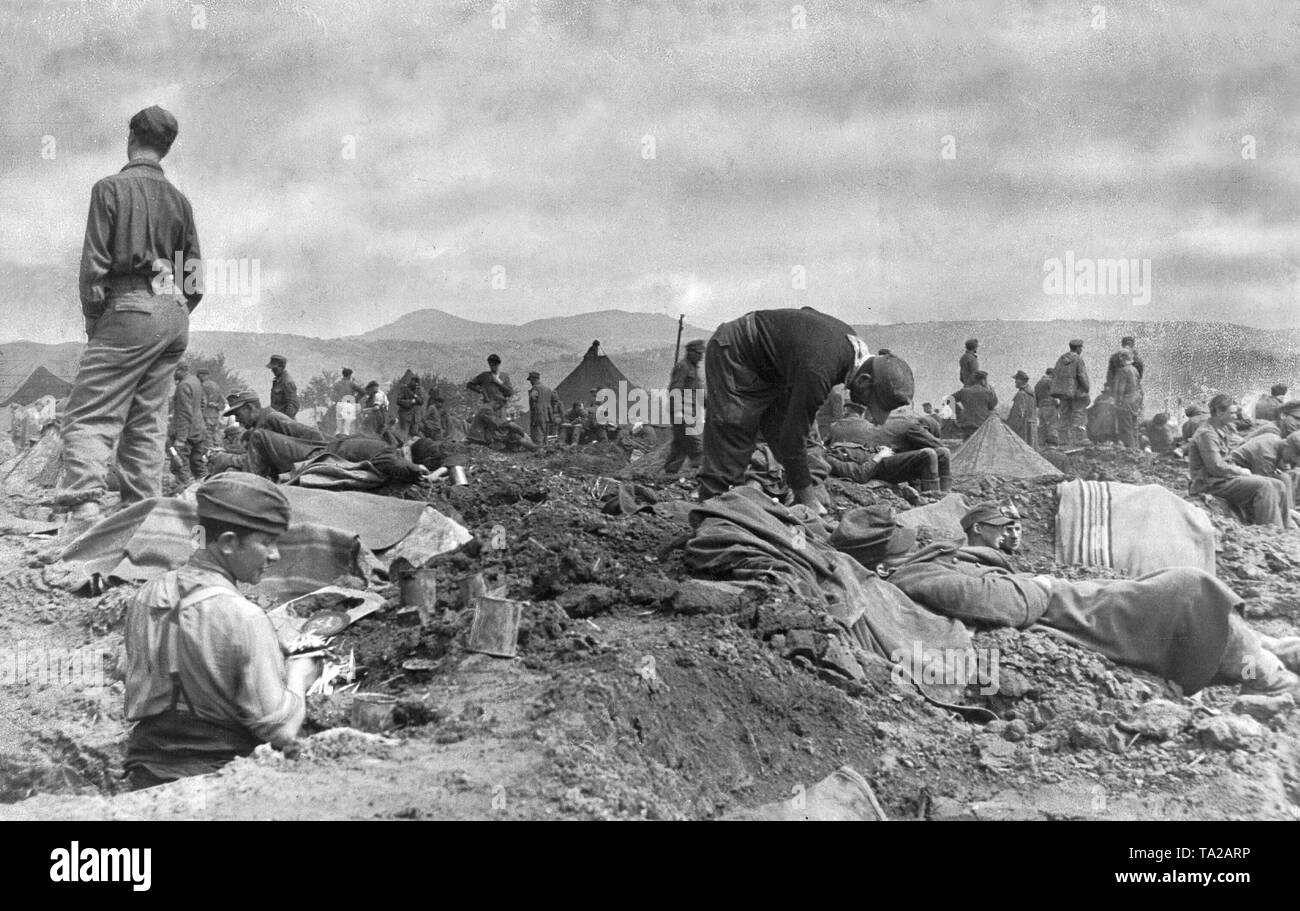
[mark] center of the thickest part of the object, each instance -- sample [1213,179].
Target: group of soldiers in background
[1059,409]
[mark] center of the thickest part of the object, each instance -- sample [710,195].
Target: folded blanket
[742,534]
[329,529]
[151,537]
[1133,529]
[328,471]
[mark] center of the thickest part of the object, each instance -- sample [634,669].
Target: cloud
[522,148]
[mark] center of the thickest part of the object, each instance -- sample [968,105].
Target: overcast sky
[523,150]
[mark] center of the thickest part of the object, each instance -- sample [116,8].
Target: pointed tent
[38,383]
[995,450]
[596,371]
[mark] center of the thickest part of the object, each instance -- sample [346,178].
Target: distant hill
[1181,357]
[617,330]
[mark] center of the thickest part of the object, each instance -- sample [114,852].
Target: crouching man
[206,679]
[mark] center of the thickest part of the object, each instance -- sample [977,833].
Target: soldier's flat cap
[990,514]
[695,344]
[1021,375]
[869,534]
[244,500]
[237,400]
[278,360]
[1076,343]
[534,375]
[156,126]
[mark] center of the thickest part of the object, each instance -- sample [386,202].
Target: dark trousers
[192,460]
[739,405]
[928,465]
[1126,426]
[685,446]
[271,454]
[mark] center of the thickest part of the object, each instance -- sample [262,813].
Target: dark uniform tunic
[769,372]
[284,394]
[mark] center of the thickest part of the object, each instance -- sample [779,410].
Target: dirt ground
[633,696]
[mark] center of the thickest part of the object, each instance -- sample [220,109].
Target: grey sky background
[775,146]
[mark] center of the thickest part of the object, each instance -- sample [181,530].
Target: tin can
[458,476]
[373,712]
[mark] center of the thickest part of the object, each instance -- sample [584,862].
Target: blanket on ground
[742,534]
[1130,528]
[329,529]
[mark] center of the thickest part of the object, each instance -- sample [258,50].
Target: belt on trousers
[122,283]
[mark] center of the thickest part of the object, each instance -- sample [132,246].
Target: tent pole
[677,350]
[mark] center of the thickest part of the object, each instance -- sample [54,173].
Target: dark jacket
[977,403]
[801,354]
[136,219]
[1043,391]
[284,394]
[1070,379]
[969,364]
[187,409]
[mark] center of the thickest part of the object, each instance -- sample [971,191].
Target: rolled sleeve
[265,705]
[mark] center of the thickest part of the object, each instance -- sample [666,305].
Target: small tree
[227,380]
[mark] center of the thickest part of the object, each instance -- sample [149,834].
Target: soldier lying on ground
[1180,623]
[270,454]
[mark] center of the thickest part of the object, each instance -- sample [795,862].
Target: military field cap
[1278,389]
[1193,410]
[972,342]
[695,344]
[981,374]
[244,500]
[156,126]
[1050,370]
[869,534]
[237,400]
[373,384]
[494,358]
[1021,375]
[1076,343]
[182,368]
[203,371]
[989,514]
[278,360]
[534,375]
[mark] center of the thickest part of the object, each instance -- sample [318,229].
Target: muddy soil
[635,696]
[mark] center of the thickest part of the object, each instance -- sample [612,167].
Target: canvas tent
[995,450]
[38,383]
[596,371]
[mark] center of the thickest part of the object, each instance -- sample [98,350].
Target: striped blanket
[1133,529]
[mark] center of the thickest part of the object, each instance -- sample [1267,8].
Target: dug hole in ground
[638,694]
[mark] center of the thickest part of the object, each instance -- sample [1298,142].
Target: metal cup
[458,476]
[373,712]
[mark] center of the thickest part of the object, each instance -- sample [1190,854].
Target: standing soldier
[544,411]
[1127,390]
[684,408]
[1070,388]
[213,404]
[970,362]
[137,312]
[1046,409]
[1023,419]
[284,391]
[188,430]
